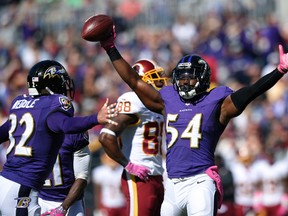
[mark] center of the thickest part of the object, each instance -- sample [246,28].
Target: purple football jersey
[193,130]
[33,146]
[62,177]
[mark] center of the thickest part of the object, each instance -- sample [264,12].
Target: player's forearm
[111,147]
[245,95]
[117,156]
[125,70]
[75,193]
[59,122]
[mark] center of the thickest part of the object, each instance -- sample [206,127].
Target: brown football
[97,28]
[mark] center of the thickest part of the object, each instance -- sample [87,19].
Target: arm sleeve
[81,163]
[59,122]
[4,132]
[245,95]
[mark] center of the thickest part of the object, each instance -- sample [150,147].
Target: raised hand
[106,113]
[137,170]
[283,60]
[109,42]
[59,211]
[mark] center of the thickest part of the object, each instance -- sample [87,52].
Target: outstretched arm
[235,104]
[149,96]
[59,122]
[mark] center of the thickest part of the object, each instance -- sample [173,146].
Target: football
[97,28]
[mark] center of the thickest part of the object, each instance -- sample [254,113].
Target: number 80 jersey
[142,141]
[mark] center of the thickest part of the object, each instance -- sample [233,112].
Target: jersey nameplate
[24,104]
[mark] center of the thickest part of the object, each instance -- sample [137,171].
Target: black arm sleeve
[245,95]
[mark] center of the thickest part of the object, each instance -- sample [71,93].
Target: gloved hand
[212,172]
[137,170]
[283,60]
[59,211]
[109,42]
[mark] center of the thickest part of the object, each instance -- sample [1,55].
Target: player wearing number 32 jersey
[36,127]
[140,132]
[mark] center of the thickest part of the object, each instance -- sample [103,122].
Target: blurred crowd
[238,46]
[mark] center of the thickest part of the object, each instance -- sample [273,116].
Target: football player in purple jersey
[36,127]
[63,191]
[195,118]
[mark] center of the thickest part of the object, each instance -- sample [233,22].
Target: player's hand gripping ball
[97,28]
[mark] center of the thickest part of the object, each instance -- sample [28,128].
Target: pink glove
[59,211]
[109,42]
[283,64]
[257,201]
[137,170]
[212,172]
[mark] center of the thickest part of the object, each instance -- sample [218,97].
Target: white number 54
[192,131]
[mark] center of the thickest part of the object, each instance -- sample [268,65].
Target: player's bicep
[55,121]
[228,111]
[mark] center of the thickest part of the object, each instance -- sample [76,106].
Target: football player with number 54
[195,118]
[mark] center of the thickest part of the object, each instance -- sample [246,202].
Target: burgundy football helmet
[151,73]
